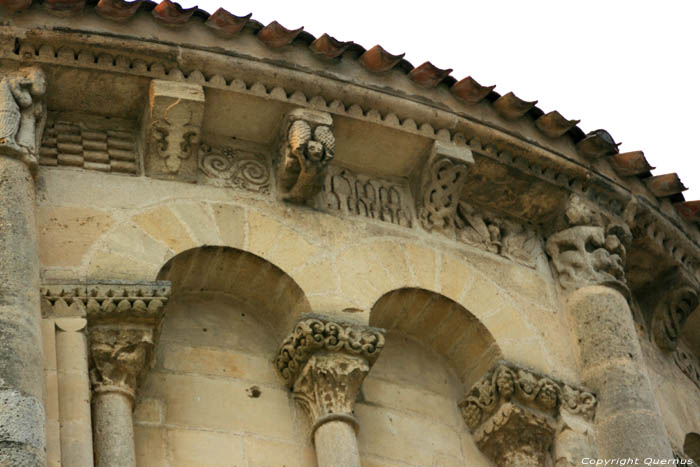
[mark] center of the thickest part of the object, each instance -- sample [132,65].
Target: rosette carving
[311,335]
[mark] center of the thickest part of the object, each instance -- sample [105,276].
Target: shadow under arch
[244,276]
[442,325]
[691,446]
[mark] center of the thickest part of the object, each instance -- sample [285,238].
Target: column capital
[325,362]
[22,113]
[513,412]
[307,145]
[588,249]
[124,321]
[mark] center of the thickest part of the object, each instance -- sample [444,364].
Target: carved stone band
[512,411]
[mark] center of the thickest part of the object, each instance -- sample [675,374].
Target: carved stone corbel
[307,145]
[675,300]
[438,186]
[123,322]
[589,251]
[325,363]
[514,414]
[172,126]
[22,114]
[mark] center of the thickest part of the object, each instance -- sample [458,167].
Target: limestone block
[262,452]
[172,127]
[163,225]
[150,446]
[205,449]
[230,221]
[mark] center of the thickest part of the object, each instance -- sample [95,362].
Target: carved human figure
[308,145]
[22,113]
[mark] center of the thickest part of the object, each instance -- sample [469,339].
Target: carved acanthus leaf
[22,114]
[307,146]
[329,384]
[314,334]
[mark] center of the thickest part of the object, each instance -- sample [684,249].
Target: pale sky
[630,67]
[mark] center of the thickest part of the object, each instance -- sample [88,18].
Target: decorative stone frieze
[676,299]
[90,143]
[307,145]
[510,239]
[513,414]
[587,251]
[172,128]
[361,195]
[237,168]
[22,113]
[438,187]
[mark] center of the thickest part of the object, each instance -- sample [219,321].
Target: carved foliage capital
[511,412]
[314,334]
[307,146]
[124,321]
[22,113]
[329,384]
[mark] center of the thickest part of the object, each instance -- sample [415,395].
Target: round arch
[247,278]
[442,325]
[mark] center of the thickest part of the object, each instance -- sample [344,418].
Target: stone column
[73,392]
[514,415]
[22,416]
[588,254]
[124,321]
[325,363]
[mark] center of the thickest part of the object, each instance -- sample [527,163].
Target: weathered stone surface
[172,129]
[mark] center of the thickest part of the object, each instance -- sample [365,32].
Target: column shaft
[22,417]
[113,430]
[74,392]
[628,423]
[336,444]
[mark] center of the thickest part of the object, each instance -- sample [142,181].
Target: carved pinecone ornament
[299,134]
[324,135]
[9,114]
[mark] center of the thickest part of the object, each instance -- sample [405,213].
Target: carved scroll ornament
[307,146]
[22,114]
[227,166]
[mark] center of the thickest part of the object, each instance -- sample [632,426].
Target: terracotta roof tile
[631,163]
[65,6]
[16,5]
[470,91]
[554,125]
[275,35]
[379,60]
[596,144]
[172,14]
[511,107]
[428,75]
[329,46]
[665,185]
[226,23]
[117,10]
